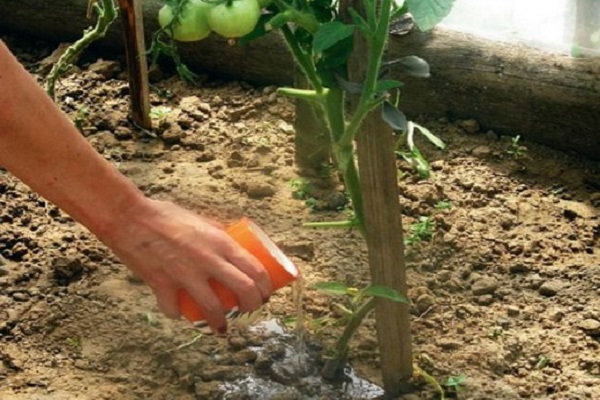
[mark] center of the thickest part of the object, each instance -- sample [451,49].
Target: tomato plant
[191,24]
[234,18]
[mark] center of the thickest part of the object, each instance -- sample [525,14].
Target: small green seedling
[420,231]
[542,362]
[355,305]
[75,341]
[160,113]
[453,383]
[80,119]
[413,155]
[516,150]
[443,205]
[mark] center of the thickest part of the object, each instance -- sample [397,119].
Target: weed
[453,383]
[75,342]
[302,189]
[420,231]
[516,150]
[443,205]
[160,113]
[80,118]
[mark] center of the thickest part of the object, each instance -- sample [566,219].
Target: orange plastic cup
[281,269]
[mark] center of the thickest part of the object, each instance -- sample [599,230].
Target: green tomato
[193,24]
[234,18]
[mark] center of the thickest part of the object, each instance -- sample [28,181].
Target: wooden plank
[137,67]
[379,188]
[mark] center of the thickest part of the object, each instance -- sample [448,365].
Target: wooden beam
[385,242]
[137,67]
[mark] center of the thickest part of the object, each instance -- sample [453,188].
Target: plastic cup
[281,269]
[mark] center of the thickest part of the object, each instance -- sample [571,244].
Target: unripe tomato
[193,24]
[234,18]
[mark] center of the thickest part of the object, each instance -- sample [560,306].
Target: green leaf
[333,288]
[412,65]
[259,31]
[393,117]
[430,136]
[387,84]
[385,293]
[347,86]
[455,381]
[329,34]
[428,13]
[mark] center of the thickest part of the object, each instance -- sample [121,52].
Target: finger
[249,265]
[245,289]
[209,303]
[166,297]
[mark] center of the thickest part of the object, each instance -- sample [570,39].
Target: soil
[506,292]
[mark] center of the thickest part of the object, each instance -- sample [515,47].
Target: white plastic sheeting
[544,24]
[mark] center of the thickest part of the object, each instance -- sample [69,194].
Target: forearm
[40,146]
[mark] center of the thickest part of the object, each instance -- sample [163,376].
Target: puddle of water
[293,372]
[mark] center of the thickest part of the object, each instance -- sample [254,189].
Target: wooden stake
[137,68]
[379,187]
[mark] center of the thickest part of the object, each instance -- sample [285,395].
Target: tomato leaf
[428,13]
[411,65]
[430,136]
[385,292]
[330,34]
[332,288]
[394,117]
[259,31]
[347,86]
[387,84]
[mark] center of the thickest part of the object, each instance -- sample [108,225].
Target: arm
[167,246]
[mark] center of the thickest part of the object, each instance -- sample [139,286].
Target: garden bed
[506,293]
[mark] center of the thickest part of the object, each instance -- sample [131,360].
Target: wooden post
[137,68]
[385,242]
[312,142]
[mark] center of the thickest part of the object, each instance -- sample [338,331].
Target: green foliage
[428,13]
[443,205]
[413,155]
[163,44]
[330,34]
[516,150]
[454,383]
[420,231]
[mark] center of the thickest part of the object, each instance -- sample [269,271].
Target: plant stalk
[333,365]
[376,45]
[306,63]
[107,13]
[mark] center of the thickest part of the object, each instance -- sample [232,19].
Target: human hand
[171,248]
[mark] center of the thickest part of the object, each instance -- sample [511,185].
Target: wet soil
[505,293]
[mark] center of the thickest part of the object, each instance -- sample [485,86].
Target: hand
[171,248]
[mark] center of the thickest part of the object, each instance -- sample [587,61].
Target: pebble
[469,125]
[424,302]
[512,311]
[550,288]
[485,285]
[20,296]
[485,300]
[481,151]
[590,326]
[260,190]
[243,357]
